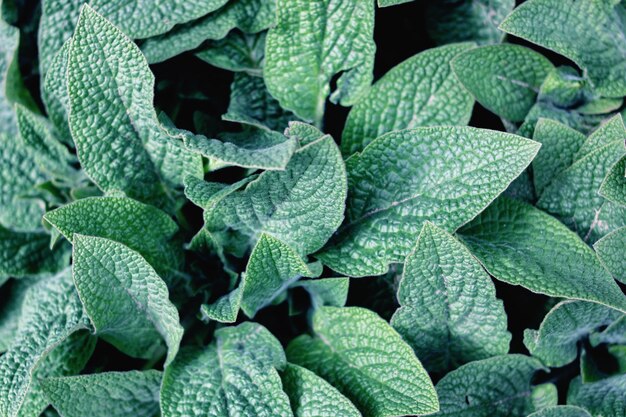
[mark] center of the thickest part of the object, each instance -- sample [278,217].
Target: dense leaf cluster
[452,243]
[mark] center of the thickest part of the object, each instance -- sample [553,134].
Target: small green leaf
[326,291]
[495,387]
[561,411]
[449,312]
[140,314]
[407,177]
[421,91]
[613,188]
[522,245]
[604,398]
[587,32]
[236,375]
[360,354]
[313,41]
[311,396]
[238,52]
[545,395]
[568,323]
[387,3]
[503,78]
[611,250]
[615,333]
[108,394]
[54,93]
[225,309]
[14,293]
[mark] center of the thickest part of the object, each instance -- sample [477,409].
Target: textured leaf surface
[272,267]
[238,52]
[54,92]
[141,313]
[225,309]
[615,333]
[613,187]
[568,323]
[51,312]
[611,250]
[113,394]
[572,195]
[123,148]
[448,310]
[446,175]
[561,411]
[522,245]
[311,396]
[559,146]
[498,386]
[14,291]
[141,227]
[421,91]
[313,41]
[326,291]
[9,39]
[360,354]
[590,33]
[503,78]
[250,16]
[606,398]
[234,376]
[467,20]
[301,206]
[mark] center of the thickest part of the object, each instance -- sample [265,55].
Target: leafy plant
[312,208]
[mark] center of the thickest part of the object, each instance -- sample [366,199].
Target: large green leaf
[494,387]
[561,411]
[522,245]
[51,312]
[235,376]
[446,175]
[591,33]
[503,78]
[107,394]
[311,42]
[421,91]
[448,310]
[125,299]
[125,147]
[360,354]
[567,324]
[611,250]
[604,398]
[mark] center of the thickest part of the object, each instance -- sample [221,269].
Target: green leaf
[236,375]
[238,52]
[326,291]
[503,78]
[252,104]
[567,324]
[521,245]
[51,312]
[545,395]
[311,396]
[140,315]
[141,227]
[405,178]
[450,21]
[561,411]
[611,249]
[494,387]
[258,148]
[613,188]
[108,394]
[360,354]
[9,39]
[421,91]
[54,92]
[311,43]
[29,253]
[587,32]
[559,146]
[603,398]
[615,333]
[273,266]
[249,16]
[225,309]
[301,206]
[386,3]
[124,148]
[14,293]
[448,311]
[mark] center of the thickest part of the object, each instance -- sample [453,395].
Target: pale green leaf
[108,394]
[494,387]
[449,312]
[590,33]
[387,3]
[522,245]
[125,299]
[54,92]
[226,308]
[9,42]
[362,356]
[613,188]
[311,42]
[561,411]
[311,396]
[421,91]
[503,78]
[446,175]
[567,324]
[611,250]
[605,398]
[545,395]
[14,293]
[238,52]
[326,291]
[615,333]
